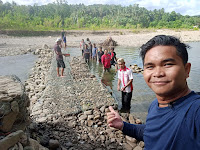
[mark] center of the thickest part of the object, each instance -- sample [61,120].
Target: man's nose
[158,72]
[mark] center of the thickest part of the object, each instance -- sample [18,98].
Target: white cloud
[184,7]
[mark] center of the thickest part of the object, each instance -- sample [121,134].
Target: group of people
[91,52]
[173,120]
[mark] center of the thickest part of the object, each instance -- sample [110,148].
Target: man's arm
[102,59]
[134,130]
[129,83]
[118,84]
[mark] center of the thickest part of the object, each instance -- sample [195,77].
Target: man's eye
[169,64]
[149,67]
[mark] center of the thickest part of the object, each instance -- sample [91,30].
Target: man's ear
[187,69]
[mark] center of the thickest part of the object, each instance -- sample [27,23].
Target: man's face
[105,52]
[59,42]
[164,71]
[121,65]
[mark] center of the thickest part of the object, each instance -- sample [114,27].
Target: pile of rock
[85,130]
[14,115]
[79,69]
[108,43]
[136,69]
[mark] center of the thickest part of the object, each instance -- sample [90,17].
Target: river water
[21,65]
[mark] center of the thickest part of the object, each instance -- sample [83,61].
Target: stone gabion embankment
[36,83]
[70,112]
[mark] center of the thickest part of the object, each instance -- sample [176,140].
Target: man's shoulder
[128,70]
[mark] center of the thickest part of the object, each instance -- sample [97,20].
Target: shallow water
[19,65]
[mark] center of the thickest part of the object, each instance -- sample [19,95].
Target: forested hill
[59,15]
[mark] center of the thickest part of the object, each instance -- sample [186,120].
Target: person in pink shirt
[125,79]
[105,60]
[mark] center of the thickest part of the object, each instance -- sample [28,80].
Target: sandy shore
[10,45]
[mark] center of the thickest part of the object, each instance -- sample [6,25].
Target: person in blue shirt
[173,120]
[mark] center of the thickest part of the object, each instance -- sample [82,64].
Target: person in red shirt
[105,59]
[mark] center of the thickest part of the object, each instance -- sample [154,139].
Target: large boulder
[13,103]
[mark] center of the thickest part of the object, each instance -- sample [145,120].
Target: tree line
[60,14]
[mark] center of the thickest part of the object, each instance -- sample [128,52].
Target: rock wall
[14,116]
[13,104]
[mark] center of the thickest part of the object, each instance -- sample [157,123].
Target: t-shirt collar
[123,69]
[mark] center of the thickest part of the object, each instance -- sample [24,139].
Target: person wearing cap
[59,57]
[125,80]
[173,119]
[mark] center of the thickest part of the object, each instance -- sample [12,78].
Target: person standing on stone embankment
[90,48]
[173,120]
[59,57]
[100,53]
[125,80]
[105,60]
[86,54]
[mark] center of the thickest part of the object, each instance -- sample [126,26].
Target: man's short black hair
[166,40]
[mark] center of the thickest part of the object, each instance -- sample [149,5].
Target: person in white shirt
[125,80]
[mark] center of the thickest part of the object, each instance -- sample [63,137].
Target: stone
[24,140]
[97,117]
[15,107]
[20,147]
[133,145]
[102,109]
[131,119]
[141,144]
[137,148]
[11,139]
[90,117]
[54,144]
[28,148]
[68,144]
[83,117]
[4,108]
[138,121]
[128,138]
[127,146]
[36,146]
[103,138]
[88,112]
[42,119]
[8,121]
[90,123]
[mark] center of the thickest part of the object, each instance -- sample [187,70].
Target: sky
[184,7]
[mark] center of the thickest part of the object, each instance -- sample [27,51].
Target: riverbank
[13,45]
